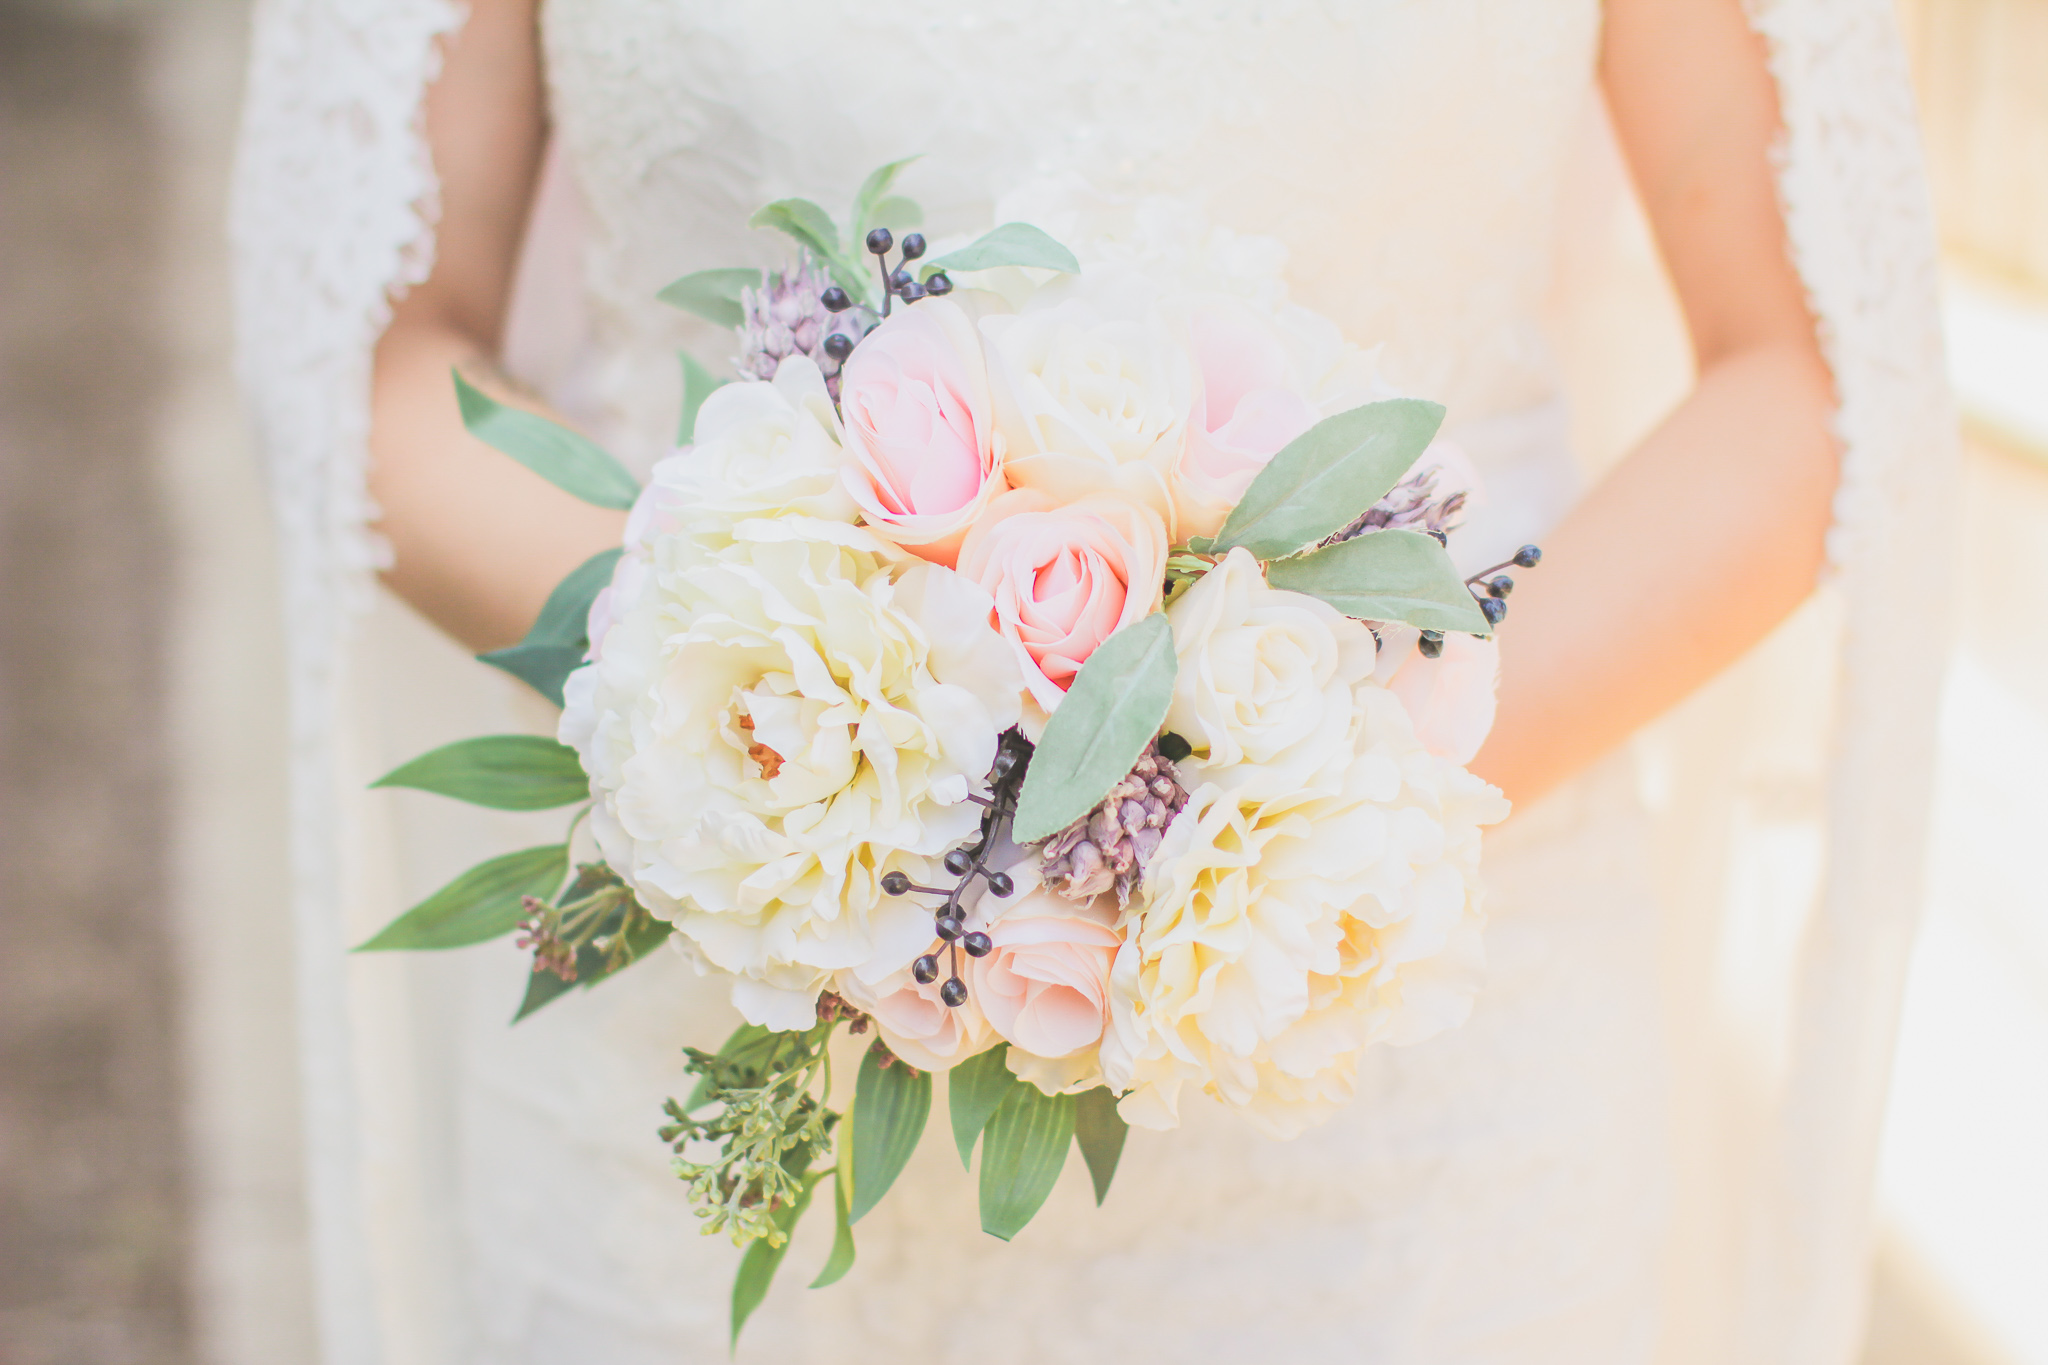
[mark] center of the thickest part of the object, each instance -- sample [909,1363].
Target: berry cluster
[898,283]
[1006,780]
[1491,587]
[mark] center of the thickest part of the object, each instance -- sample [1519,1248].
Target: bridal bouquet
[1047,665]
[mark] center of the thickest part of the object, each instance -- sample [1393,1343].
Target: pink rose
[1451,697]
[918,1026]
[1064,578]
[914,399]
[1045,987]
[1247,410]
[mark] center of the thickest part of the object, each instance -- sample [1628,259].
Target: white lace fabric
[1507,1193]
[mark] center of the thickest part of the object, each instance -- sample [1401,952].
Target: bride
[1653,1140]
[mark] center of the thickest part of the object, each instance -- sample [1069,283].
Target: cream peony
[1285,929]
[1065,577]
[771,725]
[1266,680]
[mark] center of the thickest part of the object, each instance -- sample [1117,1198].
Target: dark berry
[911,293]
[879,241]
[925,969]
[895,883]
[1006,762]
[900,277]
[1500,586]
[1173,748]
[978,944]
[1000,885]
[1528,556]
[839,346]
[913,246]
[836,299]
[958,861]
[1494,608]
[954,993]
[939,285]
[949,927]
[1431,644]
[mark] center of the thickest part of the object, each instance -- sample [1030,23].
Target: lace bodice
[1409,155]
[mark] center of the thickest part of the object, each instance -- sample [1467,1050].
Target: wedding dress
[1638,1149]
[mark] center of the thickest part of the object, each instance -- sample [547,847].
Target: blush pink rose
[1064,577]
[1451,697]
[1246,411]
[1045,987]
[914,400]
[918,1026]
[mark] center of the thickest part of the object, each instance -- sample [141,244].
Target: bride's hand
[1710,533]
[478,542]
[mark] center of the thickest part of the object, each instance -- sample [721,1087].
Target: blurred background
[150,1207]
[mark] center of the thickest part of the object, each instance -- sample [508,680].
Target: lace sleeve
[1861,230]
[332,212]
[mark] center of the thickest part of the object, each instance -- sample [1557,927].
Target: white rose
[773,724]
[1282,931]
[1264,688]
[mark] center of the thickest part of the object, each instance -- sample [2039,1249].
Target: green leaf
[1021,1156]
[974,1088]
[867,205]
[698,385]
[569,460]
[748,1040]
[544,988]
[1109,715]
[813,229]
[555,647]
[1386,576]
[481,904]
[1099,1132]
[758,1266]
[898,214]
[1324,478]
[1010,244]
[713,295]
[841,1259]
[504,772]
[890,1106]
[544,668]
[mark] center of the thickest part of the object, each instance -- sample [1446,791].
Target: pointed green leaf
[758,1266]
[1110,713]
[1099,1132]
[555,647]
[698,385]
[1010,244]
[569,460]
[544,668]
[503,772]
[1021,1156]
[813,229]
[713,295]
[1324,478]
[1386,576]
[481,904]
[973,1090]
[898,214]
[841,1259]
[867,204]
[544,988]
[890,1106]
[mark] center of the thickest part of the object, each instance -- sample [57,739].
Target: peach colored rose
[1450,698]
[1045,987]
[914,398]
[1064,577]
[918,1026]
[1247,410]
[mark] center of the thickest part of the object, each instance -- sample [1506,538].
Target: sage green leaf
[898,214]
[544,668]
[713,295]
[1386,576]
[1326,477]
[555,647]
[698,385]
[973,1090]
[813,229]
[481,904]
[1010,244]
[890,1106]
[569,460]
[503,772]
[841,1259]
[1021,1156]
[1109,715]
[758,1266]
[1099,1131]
[867,205]
[544,988]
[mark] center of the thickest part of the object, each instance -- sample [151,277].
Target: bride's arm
[1710,533]
[478,541]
